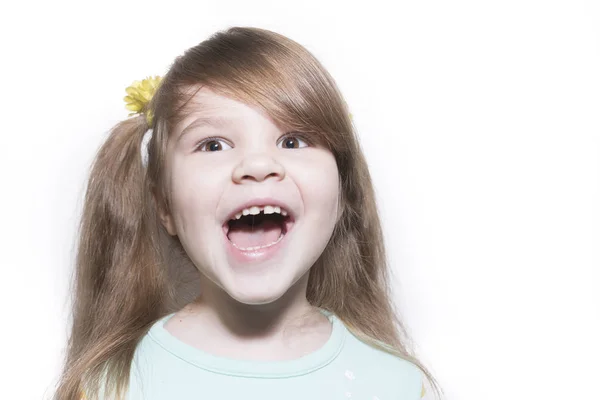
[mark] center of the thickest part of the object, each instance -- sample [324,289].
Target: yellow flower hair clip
[139,95]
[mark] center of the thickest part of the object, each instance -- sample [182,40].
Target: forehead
[207,102]
[209,108]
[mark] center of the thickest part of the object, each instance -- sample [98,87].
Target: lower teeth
[258,247]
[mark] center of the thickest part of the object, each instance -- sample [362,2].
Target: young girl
[238,253]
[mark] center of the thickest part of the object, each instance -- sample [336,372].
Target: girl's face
[228,159]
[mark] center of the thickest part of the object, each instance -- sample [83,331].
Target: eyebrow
[215,121]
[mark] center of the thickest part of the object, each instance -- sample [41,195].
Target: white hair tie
[144,147]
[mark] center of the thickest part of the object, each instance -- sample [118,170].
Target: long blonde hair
[129,272]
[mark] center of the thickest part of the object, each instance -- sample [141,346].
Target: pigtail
[119,287]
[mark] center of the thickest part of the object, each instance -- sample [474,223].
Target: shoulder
[401,378]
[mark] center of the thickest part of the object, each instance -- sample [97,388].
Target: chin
[256,295]
[259,289]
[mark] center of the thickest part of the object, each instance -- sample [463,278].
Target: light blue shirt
[344,368]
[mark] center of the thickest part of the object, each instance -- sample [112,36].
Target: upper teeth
[254,210]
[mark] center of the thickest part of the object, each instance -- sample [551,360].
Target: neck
[255,320]
[284,329]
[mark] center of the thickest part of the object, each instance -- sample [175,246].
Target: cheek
[320,184]
[195,193]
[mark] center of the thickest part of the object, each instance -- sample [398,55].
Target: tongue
[244,235]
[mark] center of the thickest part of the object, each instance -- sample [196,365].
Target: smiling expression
[226,156]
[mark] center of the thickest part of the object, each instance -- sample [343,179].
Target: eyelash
[287,135]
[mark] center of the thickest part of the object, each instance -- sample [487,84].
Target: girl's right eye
[211,144]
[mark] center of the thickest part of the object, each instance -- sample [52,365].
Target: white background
[480,122]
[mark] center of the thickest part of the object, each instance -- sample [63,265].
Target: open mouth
[260,228]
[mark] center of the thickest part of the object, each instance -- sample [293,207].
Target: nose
[257,168]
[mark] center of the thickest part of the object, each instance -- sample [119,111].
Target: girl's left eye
[292,141]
